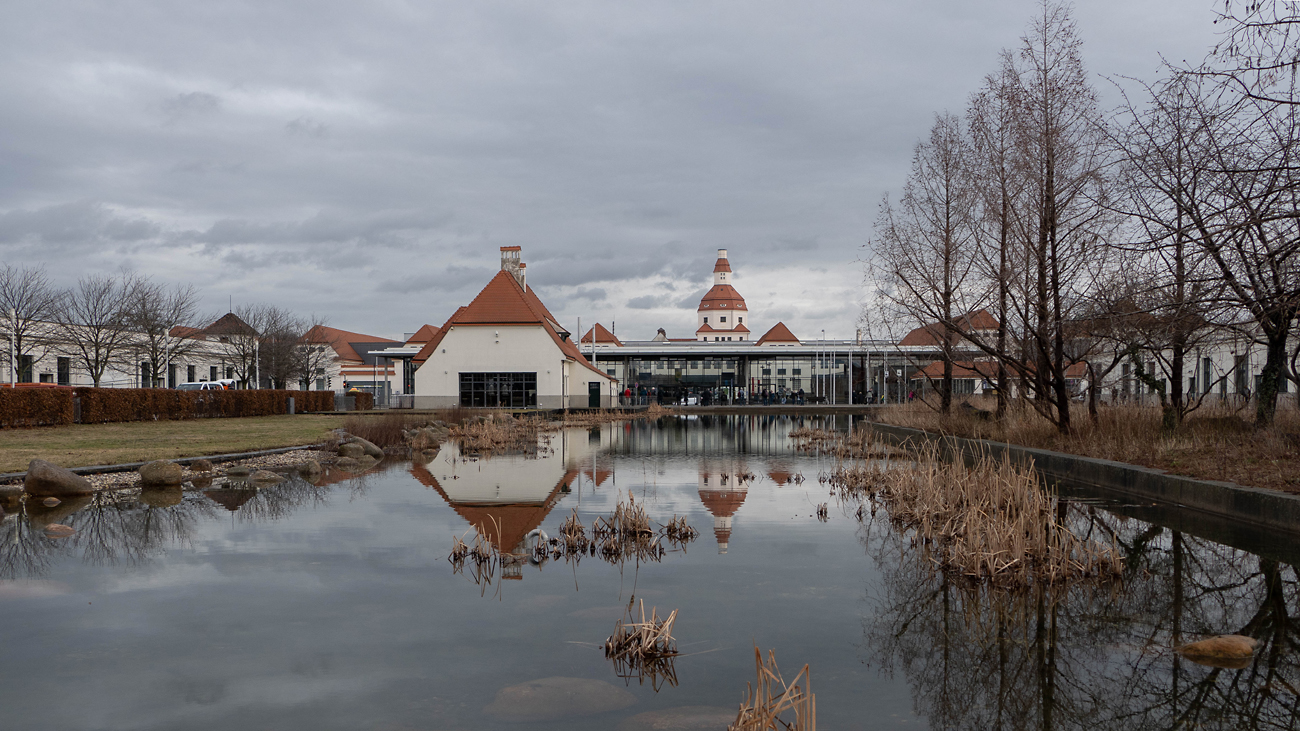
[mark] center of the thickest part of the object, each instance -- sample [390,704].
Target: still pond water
[333,606]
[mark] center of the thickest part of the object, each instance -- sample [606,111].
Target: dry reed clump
[992,521]
[857,444]
[644,649]
[1214,442]
[499,432]
[606,416]
[773,697]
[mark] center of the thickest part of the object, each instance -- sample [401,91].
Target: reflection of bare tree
[132,526]
[1089,655]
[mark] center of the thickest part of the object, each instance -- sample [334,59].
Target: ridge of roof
[424,334]
[341,340]
[778,334]
[602,335]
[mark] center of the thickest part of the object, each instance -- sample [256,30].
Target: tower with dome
[722,312]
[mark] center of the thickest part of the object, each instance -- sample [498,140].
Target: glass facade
[500,390]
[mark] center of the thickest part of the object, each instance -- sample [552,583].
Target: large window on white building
[499,390]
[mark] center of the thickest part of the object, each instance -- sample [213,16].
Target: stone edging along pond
[1267,508]
[132,466]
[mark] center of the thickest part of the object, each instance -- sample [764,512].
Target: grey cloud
[194,103]
[73,223]
[595,294]
[306,127]
[644,302]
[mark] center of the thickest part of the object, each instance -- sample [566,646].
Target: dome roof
[723,297]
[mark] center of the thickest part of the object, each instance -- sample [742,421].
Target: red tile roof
[602,336]
[723,297]
[932,333]
[505,302]
[778,334]
[705,328]
[423,335]
[740,328]
[722,265]
[340,340]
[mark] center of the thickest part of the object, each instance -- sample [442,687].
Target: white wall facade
[561,383]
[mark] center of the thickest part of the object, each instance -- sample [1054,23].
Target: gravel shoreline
[272,462]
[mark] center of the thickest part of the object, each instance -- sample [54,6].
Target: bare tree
[152,311]
[1259,53]
[999,183]
[27,305]
[924,249]
[93,318]
[315,352]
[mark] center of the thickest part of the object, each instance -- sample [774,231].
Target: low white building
[505,350]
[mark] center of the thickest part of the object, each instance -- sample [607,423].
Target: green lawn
[80,445]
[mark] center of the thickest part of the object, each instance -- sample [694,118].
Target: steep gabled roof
[705,328]
[229,324]
[505,525]
[740,328]
[342,341]
[423,335]
[183,331]
[722,297]
[602,336]
[932,334]
[778,334]
[505,302]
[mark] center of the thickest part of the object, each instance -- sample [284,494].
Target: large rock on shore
[549,699]
[367,447]
[44,479]
[351,450]
[161,473]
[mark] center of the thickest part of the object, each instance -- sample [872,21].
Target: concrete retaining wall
[1274,510]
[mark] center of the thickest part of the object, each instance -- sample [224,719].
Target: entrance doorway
[593,395]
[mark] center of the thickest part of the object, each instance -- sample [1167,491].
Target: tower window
[722,319]
[740,320]
[706,321]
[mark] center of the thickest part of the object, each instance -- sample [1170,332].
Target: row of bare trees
[127,322]
[1099,239]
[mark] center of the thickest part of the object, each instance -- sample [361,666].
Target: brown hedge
[365,401]
[104,405]
[35,407]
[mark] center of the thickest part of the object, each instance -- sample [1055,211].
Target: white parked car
[201,386]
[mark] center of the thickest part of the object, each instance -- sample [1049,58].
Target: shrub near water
[35,407]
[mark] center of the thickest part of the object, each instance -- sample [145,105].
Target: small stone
[549,699]
[201,465]
[161,473]
[45,479]
[351,449]
[50,502]
[1222,651]
[239,471]
[265,476]
[309,468]
[684,718]
[59,530]
[201,482]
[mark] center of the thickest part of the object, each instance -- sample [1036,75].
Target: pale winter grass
[993,521]
[644,649]
[771,697]
[1216,443]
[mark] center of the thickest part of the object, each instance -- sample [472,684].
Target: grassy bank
[79,445]
[1212,444]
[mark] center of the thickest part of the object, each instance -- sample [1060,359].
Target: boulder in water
[59,530]
[368,448]
[44,479]
[161,473]
[201,465]
[265,476]
[239,471]
[549,699]
[352,450]
[1224,651]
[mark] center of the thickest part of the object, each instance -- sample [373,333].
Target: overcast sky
[364,161]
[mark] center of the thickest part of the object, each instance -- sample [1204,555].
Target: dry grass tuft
[499,432]
[858,444]
[773,697]
[993,521]
[644,649]
[1213,443]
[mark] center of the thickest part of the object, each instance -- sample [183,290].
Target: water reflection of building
[503,497]
[722,493]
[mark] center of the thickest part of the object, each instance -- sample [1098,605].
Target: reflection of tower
[722,494]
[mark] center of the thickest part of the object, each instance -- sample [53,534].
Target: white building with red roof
[722,310]
[506,350]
